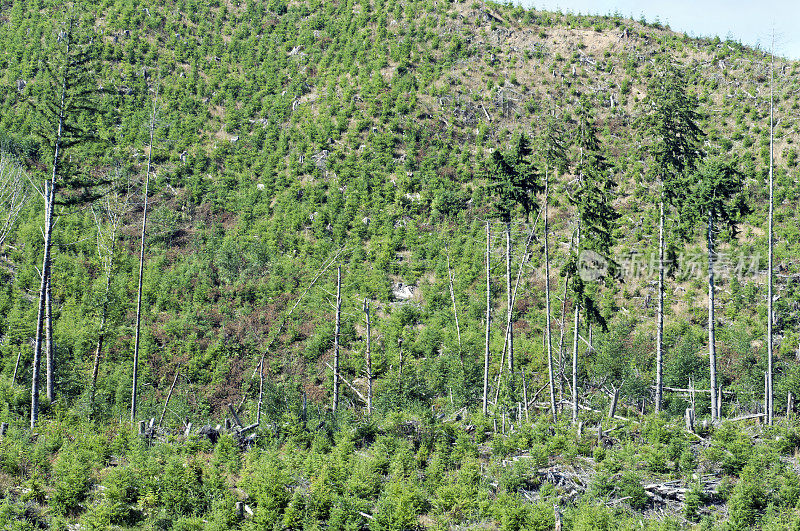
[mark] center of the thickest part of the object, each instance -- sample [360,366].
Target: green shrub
[73,479]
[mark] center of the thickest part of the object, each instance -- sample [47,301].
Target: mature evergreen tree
[716,198]
[592,195]
[670,124]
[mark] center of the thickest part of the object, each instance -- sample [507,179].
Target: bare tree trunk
[660,310]
[455,307]
[547,303]
[562,327]
[612,410]
[16,368]
[770,309]
[100,339]
[576,324]
[49,194]
[169,396]
[712,352]
[561,361]
[103,317]
[576,333]
[260,390]
[336,338]
[12,195]
[510,310]
[51,362]
[488,322]
[369,358]
[137,338]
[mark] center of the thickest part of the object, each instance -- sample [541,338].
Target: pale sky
[747,21]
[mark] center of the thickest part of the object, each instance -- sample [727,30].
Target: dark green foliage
[513,179]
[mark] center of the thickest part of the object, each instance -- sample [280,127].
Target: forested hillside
[458,164]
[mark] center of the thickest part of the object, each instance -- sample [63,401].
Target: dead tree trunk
[612,410]
[369,358]
[51,362]
[660,310]
[510,310]
[488,322]
[49,194]
[169,396]
[106,248]
[455,307]
[135,381]
[576,334]
[336,339]
[260,390]
[712,352]
[770,308]
[575,365]
[549,332]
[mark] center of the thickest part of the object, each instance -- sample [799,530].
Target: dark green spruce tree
[673,143]
[590,263]
[513,182]
[717,200]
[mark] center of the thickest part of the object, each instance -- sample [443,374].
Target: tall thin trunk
[50,200]
[576,325]
[770,309]
[488,322]
[547,302]
[562,328]
[260,390]
[576,332]
[455,307]
[48,342]
[712,352]
[510,315]
[336,338]
[169,396]
[369,358]
[660,310]
[100,338]
[135,382]
[103,317]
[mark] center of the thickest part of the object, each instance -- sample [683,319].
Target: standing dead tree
[67,91]
[336,374]
[12,196]
[137,335]
[108,220]
[368,357]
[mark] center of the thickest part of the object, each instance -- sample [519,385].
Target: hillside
[294,137]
